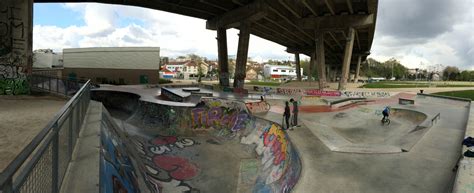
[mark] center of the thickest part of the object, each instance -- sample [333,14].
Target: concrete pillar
[223,59]
[298,66]
[320,60]
[242,53]
[356,77]
[16,35]
[347,59]
[311,66]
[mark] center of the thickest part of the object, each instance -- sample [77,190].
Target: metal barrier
[55,85]
[42,164]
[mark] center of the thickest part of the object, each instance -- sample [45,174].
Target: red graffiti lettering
[179,168]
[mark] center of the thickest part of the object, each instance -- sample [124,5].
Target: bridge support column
[356,76]
[222,57]
[347,59]
[312,62]
[298,66]
[242,53]
[16,35]
[320,60]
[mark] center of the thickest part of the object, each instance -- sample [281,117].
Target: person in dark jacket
[286,114]
[294,120]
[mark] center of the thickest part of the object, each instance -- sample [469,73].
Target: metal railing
[61,86]
[40,167]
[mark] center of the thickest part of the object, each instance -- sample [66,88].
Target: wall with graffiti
[258,107]
[14,49]
[322,93]
[167,154]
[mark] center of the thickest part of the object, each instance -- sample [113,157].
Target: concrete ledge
[445,97]
[465,173]
[82,174]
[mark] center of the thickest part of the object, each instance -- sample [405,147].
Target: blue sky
[408,31]
[55,14]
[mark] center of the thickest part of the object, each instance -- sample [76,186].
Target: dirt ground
[21,118]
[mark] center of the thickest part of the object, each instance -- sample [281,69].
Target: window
[283,70]
[275,70]
[291,70]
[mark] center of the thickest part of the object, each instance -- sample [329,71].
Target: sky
[419,33]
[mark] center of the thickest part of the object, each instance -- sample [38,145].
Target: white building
[46,58]
[280,72]
[121,65]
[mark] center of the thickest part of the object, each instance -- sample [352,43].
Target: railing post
[49,88]
[55,157]
[42,82]
[70,140]
[57,85]
[65,86]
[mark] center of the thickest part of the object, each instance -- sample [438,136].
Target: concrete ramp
[360,131]
[217,146]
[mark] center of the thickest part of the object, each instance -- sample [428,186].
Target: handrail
[20,159]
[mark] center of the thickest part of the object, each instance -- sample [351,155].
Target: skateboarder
[386,113]
[286,115]
[294,120]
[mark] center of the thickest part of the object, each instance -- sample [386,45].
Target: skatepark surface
[216,146]
[232,145]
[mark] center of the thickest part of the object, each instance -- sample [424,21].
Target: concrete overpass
[336,34]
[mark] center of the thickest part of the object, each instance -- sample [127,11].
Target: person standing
[294,121]
[286,115]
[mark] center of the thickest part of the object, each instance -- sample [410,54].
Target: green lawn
[258,83]
[414,84]
[469,94]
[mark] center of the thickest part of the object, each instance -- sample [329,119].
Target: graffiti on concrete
[12,52]
[280,163]
[317,92]
[365,94]
[218,117]
[14,86]
[164,171]
[12,30]
[163,144]
[290,91]
[275,141]
[258,107]
[117,171]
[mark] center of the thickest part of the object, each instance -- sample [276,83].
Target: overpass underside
[336,34]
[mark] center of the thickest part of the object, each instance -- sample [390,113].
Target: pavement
[160,147]
[427,167]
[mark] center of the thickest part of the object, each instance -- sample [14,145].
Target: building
[119,65]
[251,74]
[46,58]
[280,72]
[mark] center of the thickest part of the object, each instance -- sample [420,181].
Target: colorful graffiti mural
[163,171]
[172,163]
[117,171]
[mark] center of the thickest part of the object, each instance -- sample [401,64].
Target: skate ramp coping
[142,154]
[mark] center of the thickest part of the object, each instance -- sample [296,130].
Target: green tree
[450,73]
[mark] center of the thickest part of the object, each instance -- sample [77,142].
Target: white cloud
[174,34]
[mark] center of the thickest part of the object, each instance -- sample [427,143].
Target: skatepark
[216,144]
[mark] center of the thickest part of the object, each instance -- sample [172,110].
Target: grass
[469,94]
[414,84]
[259,83]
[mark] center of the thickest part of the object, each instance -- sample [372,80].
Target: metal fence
[55,85]
[40,167]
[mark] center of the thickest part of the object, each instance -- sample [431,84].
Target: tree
[450,73]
